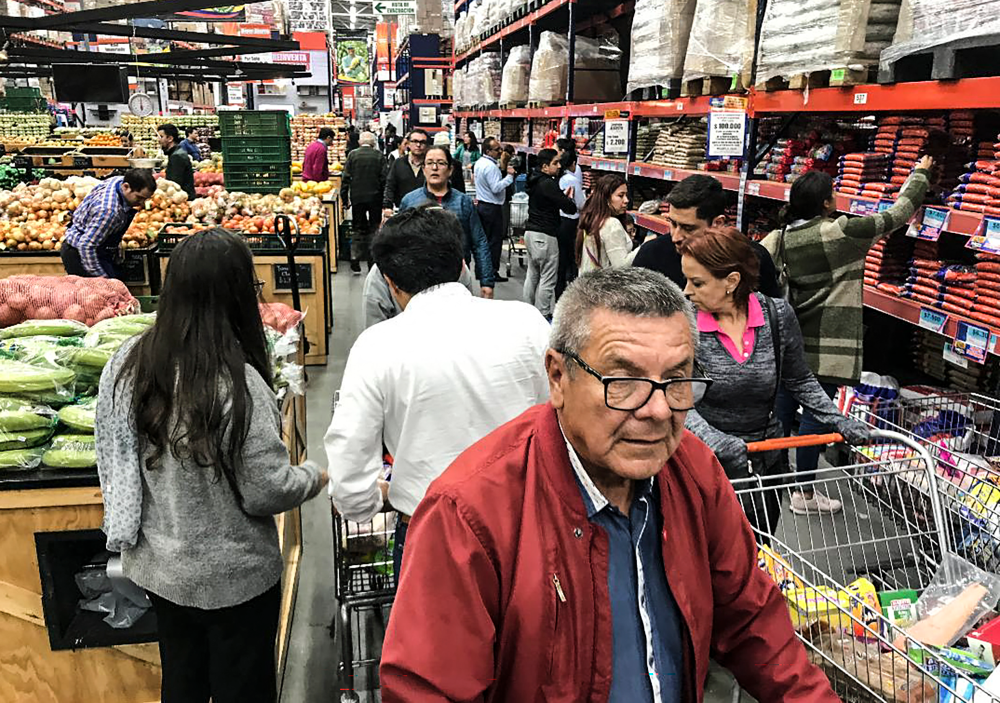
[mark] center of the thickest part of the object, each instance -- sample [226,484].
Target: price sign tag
[951,356]
[860,98]
[753,188]
[668,175]
[637,170]
[933,320]
[884,205]
[863,207]
[726,133]
[616,136]
[971,342]
[987,237]
[930,225]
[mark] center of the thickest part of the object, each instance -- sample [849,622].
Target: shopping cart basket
[515,233]
[364,584]
[829,568]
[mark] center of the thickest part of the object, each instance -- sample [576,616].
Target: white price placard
[616,137]
[726,133]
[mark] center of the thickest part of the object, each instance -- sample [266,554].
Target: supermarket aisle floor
[313,656]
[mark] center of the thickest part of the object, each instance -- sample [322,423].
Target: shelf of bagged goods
[513,27]
[909,311]
[700,105]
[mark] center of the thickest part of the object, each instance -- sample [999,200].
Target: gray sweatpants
[543,271]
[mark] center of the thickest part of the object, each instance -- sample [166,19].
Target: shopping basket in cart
[833,570]
[515,233]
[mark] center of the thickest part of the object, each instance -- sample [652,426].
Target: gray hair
[367,139]
[627,290]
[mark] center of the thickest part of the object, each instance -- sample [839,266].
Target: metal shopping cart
[829,568]
[515,232]
[365,586]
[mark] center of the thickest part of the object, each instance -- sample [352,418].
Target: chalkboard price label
[283,277]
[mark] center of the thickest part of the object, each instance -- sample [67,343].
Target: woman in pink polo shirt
[748,342]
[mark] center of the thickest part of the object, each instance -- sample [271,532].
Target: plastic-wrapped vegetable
[80,417]
[719,43]
[24,439]
[516,74]
[17,415]
[73,457]
[18,378]
[14,459]
[660,31]
[49,328]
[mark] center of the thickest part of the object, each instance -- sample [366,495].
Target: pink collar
[755,317]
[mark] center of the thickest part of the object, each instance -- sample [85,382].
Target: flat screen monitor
[90,83]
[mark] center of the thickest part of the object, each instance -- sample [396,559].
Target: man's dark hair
[170,130]
[325,133]
[140,179]
[702,192]
[489,144]
[418,131]
[420,248]
[568,160]
[566,144]
[189,131]
[545,157]
[807,197]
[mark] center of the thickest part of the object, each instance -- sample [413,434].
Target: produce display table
[49,529]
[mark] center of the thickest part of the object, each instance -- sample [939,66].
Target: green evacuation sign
[395,7]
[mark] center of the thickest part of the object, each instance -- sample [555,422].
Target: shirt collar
[435,199]
[121,195]
[445,291]
[594,501]
[755,317]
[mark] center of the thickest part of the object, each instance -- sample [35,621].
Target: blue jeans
[806,458]
[397,547]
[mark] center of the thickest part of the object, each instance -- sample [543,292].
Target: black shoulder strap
[773,323]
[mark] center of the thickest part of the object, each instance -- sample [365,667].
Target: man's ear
[555,368]
[719,221]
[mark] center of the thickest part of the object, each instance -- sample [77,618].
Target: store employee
[100,222]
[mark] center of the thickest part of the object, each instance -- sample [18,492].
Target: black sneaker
[356,268]
[501,279]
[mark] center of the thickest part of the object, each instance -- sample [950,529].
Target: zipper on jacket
[559,590]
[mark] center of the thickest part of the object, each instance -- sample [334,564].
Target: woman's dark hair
[473,144]
[325,133]
[140,179]
[420,248]
[596,211]
[444,150]
[567,160]
[807,197]
[545,157]
[190,397]
[723,250]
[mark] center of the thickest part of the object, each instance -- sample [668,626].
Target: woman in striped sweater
[748,344]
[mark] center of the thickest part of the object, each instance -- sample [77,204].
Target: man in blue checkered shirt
[99,223]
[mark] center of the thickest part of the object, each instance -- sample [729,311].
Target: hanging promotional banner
[261,31]
[382,56]
[352,60]
[227,13]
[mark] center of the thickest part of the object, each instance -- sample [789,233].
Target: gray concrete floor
[313,655]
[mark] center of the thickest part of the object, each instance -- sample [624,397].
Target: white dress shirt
[579,197]
[491,185]
[430,383]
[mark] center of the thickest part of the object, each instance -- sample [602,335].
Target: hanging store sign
[307,15]
[727,131]
[234,94]
[295,58]
[395,7]
[616,137]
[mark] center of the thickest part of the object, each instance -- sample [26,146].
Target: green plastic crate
[28,92]
[26,105]
[256,149]
[261,177]
[255,123]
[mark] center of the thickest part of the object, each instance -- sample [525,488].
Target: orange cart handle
[809,440]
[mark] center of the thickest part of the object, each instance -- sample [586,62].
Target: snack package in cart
[778,569]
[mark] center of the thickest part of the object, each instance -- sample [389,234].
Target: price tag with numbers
[987,237]
[933,320]
[972,342]
[930,225]
[753,188]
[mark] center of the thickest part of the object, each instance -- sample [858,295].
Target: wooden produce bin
[49,525]
[140,272]
[334,216]
[315,295]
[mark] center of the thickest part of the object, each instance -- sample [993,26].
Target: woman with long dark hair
[601,239]
[193,469]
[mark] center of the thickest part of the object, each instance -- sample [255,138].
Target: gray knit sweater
[737,408]
[180,531]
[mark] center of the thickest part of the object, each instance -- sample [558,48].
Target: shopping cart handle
[809,440]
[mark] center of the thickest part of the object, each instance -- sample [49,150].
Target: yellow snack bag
[865,620]
[809,605]
[779,570]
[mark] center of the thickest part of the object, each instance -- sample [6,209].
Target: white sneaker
[819,503]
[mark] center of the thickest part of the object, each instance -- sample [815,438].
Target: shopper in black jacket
[545,200]
[363,188]
[405,174]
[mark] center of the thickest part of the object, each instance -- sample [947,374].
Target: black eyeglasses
[258,287]
[628,393]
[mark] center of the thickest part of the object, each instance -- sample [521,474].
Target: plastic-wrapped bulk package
[490,80]
[516,74]
[470,84]
[718,40]
[596,66]
[803,36]
[929,23]
[456,87]
[660,31]
[461,33]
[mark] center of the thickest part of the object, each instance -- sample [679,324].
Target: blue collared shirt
[99,223]
[647,639]
[461,206]
[491,185]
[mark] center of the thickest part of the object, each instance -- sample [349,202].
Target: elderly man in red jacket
[591,549]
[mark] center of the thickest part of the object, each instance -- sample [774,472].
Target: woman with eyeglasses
[193,469]
[748,345]
[437,190]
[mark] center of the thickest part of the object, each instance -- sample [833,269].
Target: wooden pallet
[711,85]
[661,92]
[511,106]
[533,104]
[835,78]
[975,57]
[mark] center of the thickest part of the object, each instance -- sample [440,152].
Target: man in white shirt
[431,381]
[568,222]
[491,192]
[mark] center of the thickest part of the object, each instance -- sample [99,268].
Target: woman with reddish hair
[748,345]
[601,239]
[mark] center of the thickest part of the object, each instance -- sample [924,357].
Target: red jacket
[315,167]
[478,616]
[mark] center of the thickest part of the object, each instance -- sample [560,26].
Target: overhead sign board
[395,7]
